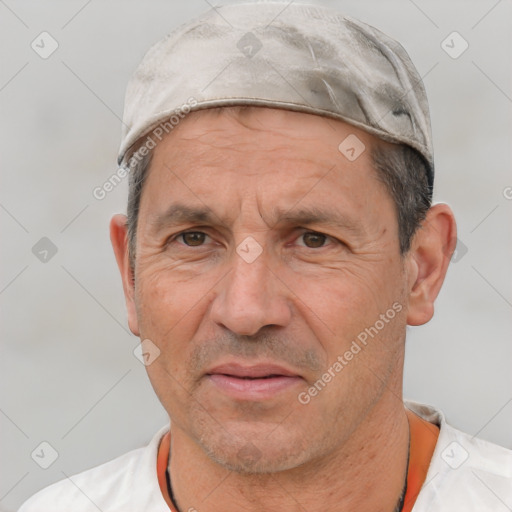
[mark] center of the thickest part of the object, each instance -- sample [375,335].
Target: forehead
[263,120]
[277,156]
[249,132]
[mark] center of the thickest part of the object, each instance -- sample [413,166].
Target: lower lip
[253,389]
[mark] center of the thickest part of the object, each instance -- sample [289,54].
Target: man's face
[263,253]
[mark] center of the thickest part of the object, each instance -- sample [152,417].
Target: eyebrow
[179,213]
[314,215]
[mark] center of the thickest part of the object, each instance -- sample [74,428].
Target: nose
[251,297]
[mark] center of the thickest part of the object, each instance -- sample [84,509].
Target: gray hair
[404,172]
[401,168]
[138,173]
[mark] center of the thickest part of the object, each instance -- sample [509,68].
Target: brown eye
[314,240]
[193,238]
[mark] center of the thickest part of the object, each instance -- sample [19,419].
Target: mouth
[256,382]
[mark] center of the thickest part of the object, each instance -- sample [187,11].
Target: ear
[119,239]
[429,257]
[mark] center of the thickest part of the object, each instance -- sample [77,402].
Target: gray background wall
[68,373]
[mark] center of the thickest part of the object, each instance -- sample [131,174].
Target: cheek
[344,298]
[340,306]
[169,310]
[359,321]
[169,313]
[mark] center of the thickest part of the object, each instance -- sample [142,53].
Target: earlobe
[119,239]
[430,254]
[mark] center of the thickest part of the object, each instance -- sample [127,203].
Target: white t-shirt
[466,474]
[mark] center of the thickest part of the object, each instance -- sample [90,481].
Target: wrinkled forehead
[272,156]
[248,132]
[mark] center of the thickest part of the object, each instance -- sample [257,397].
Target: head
[256,243]
[275,252]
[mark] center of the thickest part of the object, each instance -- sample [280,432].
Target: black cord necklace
[400,504]
[169,490]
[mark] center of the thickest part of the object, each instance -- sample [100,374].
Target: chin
[250,460]
[256,452]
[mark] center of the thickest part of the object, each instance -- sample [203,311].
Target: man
[280,237]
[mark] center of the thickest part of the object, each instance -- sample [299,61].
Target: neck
[365,473]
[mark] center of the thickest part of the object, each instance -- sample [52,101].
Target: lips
[256,382]
[251,372]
